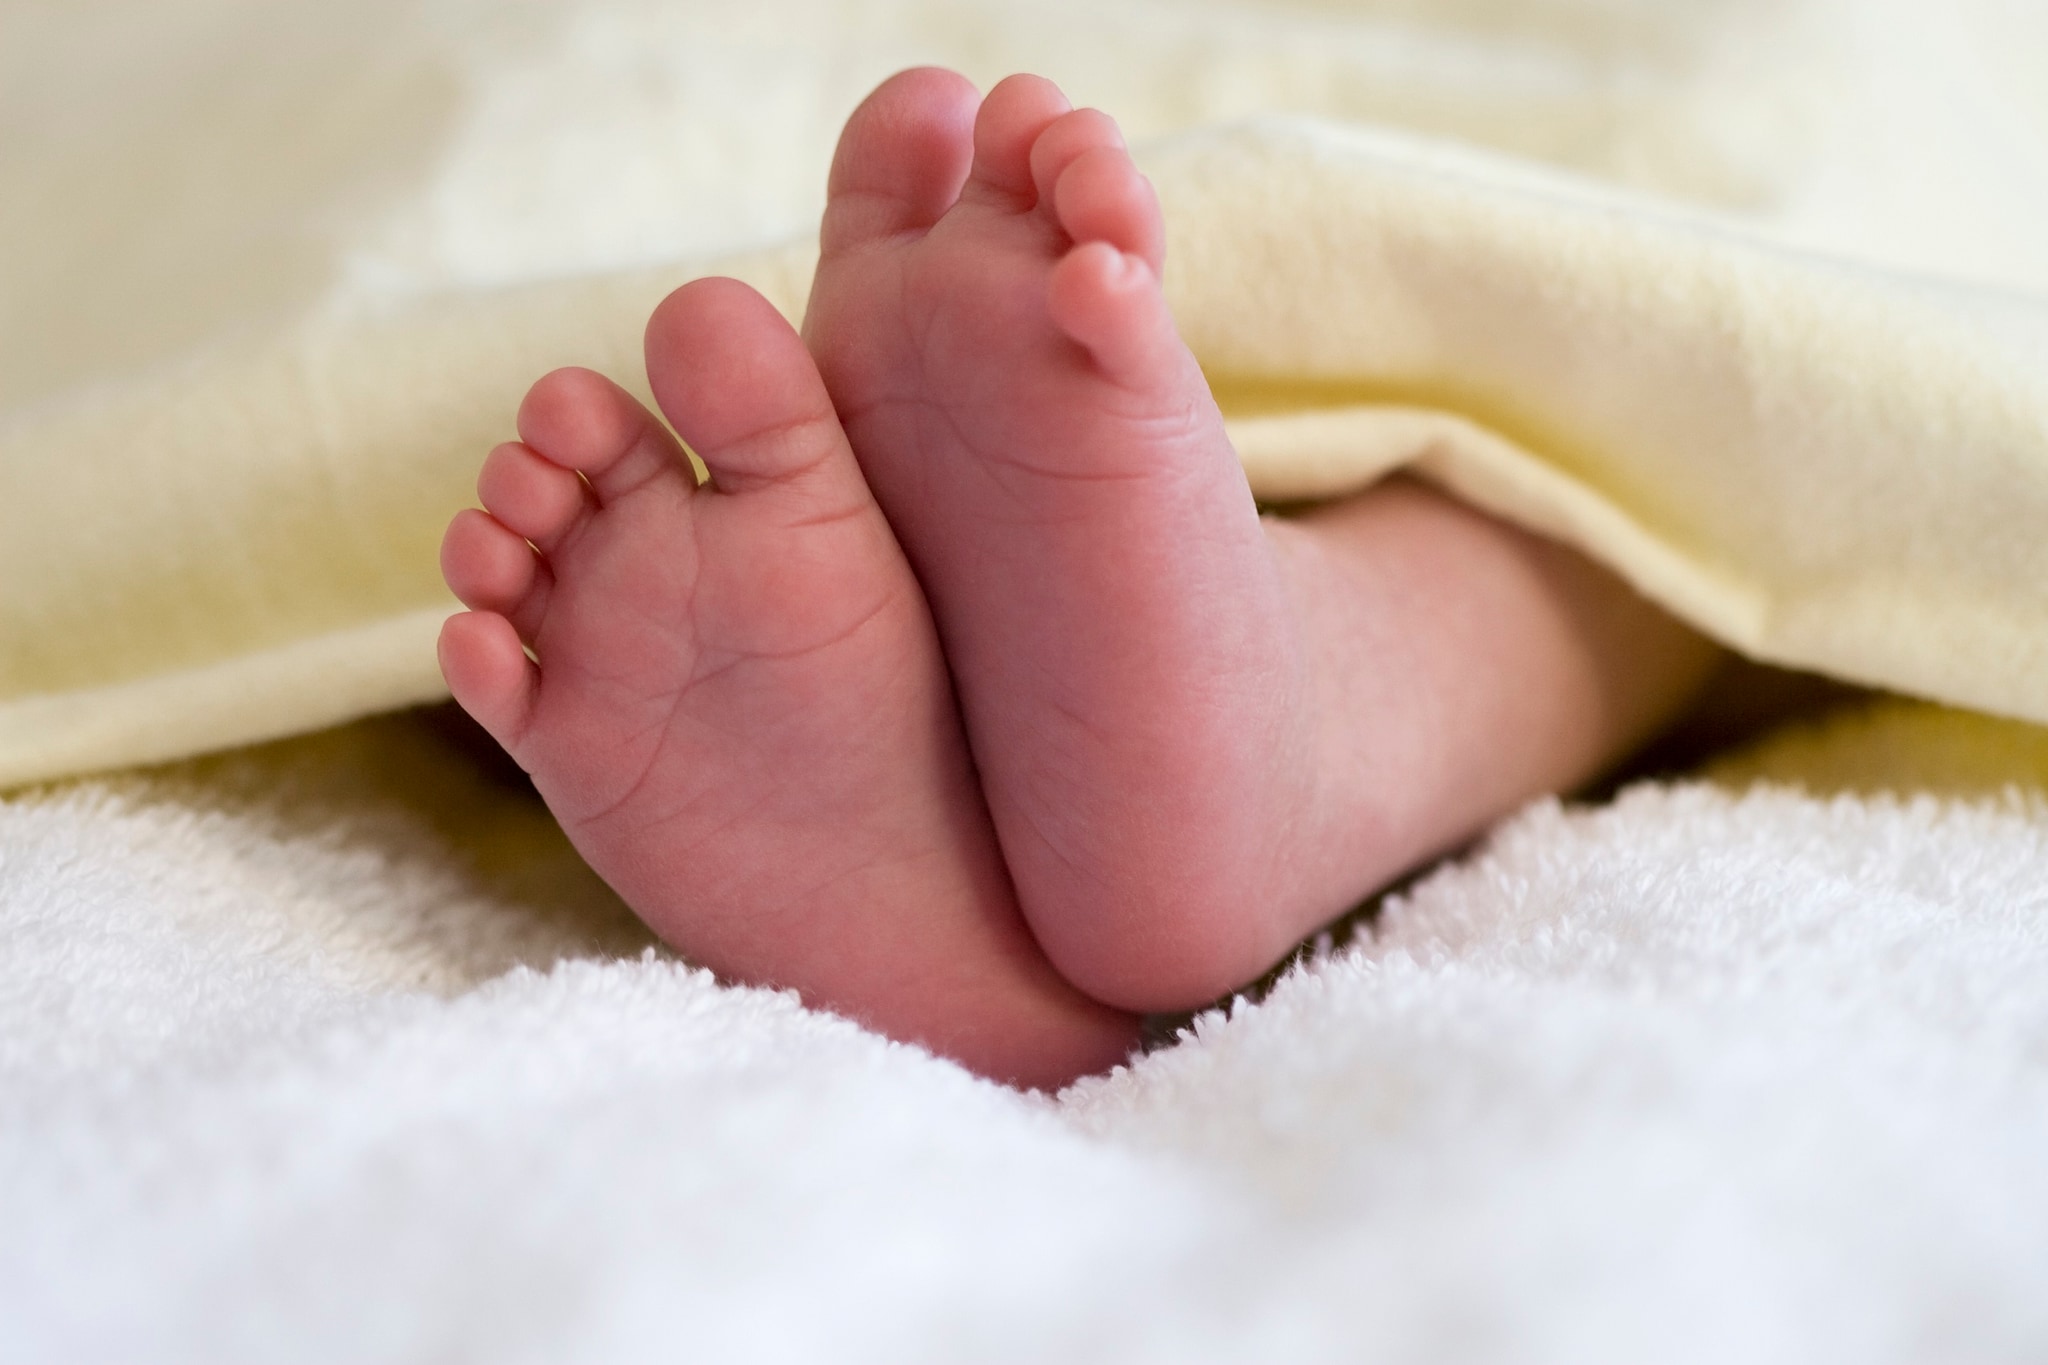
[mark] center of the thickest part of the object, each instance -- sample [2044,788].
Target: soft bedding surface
[330,1048]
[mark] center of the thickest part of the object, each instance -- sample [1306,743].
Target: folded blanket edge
[310,684]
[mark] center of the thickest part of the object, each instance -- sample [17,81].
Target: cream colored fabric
[1800,448]
[247,547]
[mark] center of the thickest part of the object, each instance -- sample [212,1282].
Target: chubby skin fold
[972,697]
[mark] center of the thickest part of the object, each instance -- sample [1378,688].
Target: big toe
[737,384]
[902,157]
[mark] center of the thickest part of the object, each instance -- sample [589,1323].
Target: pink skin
[1199,736]
[988,319]
[737,707]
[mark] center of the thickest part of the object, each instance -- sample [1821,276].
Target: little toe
[1101,197]
[490,567]
[579,420]
[901,158]
[1011,120]
[531,495]
[735,380]
[489,674]
[1109,302]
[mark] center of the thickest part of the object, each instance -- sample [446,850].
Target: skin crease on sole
[737,707]
[1188,762]
[998,713]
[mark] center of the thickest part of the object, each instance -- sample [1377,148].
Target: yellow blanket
[1827,464]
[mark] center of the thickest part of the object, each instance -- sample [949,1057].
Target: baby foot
[736,704]
[988,318]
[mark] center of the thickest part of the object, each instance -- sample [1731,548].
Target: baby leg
[1461,666]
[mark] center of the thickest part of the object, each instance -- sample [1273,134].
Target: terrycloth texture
[331,1050]
[1824,464]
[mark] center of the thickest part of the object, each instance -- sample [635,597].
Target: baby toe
[581,421]
[1101,197]
[531,495]
[1010,123]
[901,158]
[1109,302]
[1065,138]
[489,674]
[492,568]
[735,379]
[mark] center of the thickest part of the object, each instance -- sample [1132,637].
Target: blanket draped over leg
[1830,467]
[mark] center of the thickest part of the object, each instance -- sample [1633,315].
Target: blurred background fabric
[222,163]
